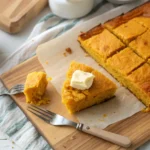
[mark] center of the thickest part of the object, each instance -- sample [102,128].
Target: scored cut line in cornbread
[139,83]
[101,89]
[129,31]
[135,57]
[102,45]
[122,64]
[125,61]
[141,45]
[141,11]
[140,15]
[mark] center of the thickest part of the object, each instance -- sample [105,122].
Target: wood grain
[137,127]
[14,14]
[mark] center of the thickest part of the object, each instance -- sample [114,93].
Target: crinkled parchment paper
[51,56]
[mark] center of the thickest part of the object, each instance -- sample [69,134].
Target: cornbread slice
[129,31]
[102,46]
[123,63]
[76,100]
[141,11]
[35,86]
[139,83]
[145,21]
[141,45]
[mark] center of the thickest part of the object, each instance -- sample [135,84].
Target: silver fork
[57,120]
[14,90]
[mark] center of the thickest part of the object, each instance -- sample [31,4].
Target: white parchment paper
[51,56]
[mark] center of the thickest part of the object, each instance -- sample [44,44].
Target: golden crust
[140,83]
[141,45]
[94,31]
[125,65]
[101,89]
[143,10]
[127,31]
[104,44]
[35,87]
[124,62]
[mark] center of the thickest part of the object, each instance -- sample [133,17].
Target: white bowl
[120,1]
[71,9]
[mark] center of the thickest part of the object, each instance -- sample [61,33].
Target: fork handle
[106,135]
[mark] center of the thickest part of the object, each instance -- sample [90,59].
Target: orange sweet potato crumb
[147,109]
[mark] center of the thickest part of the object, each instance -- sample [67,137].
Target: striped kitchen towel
[12,120]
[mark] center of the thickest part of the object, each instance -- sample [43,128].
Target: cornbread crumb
[147,109]
[68,50]
[49,78]
[87,55]
[65,54]
[104,115]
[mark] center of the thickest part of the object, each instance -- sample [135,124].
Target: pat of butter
[82,80]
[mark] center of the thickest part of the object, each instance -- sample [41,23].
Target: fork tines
[44,114]
[17,89]
[18,86]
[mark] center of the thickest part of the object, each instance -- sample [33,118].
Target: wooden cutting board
[14,14]
[137,127]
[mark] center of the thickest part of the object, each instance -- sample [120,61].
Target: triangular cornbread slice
[76,100]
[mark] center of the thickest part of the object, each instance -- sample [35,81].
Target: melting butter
[82,80]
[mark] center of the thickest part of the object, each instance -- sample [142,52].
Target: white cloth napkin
[12,120]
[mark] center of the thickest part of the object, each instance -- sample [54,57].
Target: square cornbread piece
[102,45]
[141,45]
[129,31]
[141,11]
[145,21]
[76,100]
[35,87]
[123,63]
[139,83]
